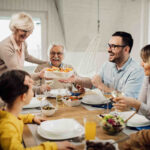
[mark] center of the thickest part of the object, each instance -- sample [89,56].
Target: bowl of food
[112,124]
[58,73]
[48,110]
[72,100]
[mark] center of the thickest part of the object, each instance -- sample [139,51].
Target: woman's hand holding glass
[124,103]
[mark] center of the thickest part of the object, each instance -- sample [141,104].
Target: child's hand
[65,146]
[38,120]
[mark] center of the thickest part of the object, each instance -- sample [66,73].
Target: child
[16,91]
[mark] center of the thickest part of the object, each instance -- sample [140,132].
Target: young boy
[16,91]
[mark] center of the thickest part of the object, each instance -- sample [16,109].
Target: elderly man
[56,56]
[121,72]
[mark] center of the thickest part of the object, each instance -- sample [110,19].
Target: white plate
[33,103]
[55,92]
[60,129]
[104,141]
[136,121]
[94,98]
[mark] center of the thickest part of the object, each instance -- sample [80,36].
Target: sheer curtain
[55,28]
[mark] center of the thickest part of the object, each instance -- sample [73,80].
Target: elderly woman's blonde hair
[21,21]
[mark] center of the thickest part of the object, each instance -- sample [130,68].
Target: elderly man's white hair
[55,44]
[21,21]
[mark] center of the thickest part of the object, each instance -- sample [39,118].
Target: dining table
[32,138]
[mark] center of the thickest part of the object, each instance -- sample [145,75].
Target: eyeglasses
[58,54]
[113,46]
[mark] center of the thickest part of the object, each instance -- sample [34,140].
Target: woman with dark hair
[142,105]
[16,91]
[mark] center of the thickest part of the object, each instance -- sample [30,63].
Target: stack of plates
[60,129]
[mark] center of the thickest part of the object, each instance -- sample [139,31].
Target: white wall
[80,24]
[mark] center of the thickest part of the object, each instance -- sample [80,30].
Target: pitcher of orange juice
[90,128]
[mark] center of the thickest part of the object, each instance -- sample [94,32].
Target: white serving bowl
[58,75]
[71,102]
[48,112]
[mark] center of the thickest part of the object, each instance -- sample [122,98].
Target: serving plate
[54,92]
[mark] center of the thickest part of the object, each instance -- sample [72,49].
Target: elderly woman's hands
[124,103]
[44,87]
[69,80]
[42,74]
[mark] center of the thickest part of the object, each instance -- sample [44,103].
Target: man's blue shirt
[127,79]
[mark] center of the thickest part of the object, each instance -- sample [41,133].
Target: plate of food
[58,73]
[101,144]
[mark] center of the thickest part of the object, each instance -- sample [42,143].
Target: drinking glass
[90,128]
[59,99]
[116,94]
[107,96]
[39,95]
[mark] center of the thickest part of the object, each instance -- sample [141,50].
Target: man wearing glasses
[120,73]
[56,56]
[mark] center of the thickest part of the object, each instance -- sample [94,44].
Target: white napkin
[94,97]
[136,121]
[33,103]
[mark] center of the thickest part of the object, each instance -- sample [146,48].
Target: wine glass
[116,94]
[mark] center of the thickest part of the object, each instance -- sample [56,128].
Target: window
[33,41]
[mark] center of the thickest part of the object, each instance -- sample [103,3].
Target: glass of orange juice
[90,128]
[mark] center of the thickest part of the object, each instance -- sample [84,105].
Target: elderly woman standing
[13,49]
